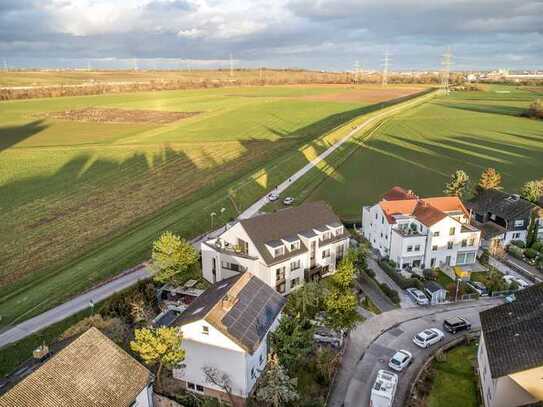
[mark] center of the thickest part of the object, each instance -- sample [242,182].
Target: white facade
[410,242]
[206,346]
[145,398]
[234,251]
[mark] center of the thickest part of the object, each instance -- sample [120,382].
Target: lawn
[454,381]
[81,201]
[420,148]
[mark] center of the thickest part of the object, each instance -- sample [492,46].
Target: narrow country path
[141,272]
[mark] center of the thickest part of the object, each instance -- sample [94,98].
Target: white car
[384,389]
[519,281]
[288,200]
[400,360]
[428,337]
[272,196]
[478,287]
[522,283]
[417,296]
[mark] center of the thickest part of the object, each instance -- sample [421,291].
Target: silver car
[428,337]
[400,360]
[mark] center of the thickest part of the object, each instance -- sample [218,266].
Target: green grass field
[81,201]
[420,148]
[454,382]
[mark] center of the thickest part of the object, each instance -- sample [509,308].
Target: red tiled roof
[402,207]
[398,193]
[427,214]
[447,204]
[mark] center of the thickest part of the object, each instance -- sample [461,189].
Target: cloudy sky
[319,34]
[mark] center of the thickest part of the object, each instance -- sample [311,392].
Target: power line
[385,69]
[446,62]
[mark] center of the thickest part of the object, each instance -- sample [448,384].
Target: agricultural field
[87,183]
[420,148]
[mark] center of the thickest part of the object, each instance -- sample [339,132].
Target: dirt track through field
[91,114]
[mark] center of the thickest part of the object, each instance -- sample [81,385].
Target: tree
[532,190]
[292,341]
[494,280]
[340,308]
[343,278]
[305,302]
[276,388]
[535,111]
[172,256]
[159,346]
[457,184]
[490,179]
[219,379]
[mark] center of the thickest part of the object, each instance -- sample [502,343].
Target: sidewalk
[382,277]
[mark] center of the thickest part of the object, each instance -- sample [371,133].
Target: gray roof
[433,286]
[501,204]
[288,222]
[513,333]
[251,307]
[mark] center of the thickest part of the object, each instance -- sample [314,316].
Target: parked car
[384,389]
[418,296]
[456,324]
[400,360]
[428,337]
[478,287]
[288,200]
[522,283]
[509,278]
[272,196]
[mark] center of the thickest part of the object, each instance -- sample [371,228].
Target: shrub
[390,293]
[518,243]
[370,273]
[389,267]
[531,253]
[516,252]
[539,264]
[538,246]
[484,258]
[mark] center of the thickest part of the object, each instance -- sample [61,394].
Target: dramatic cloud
[326,34]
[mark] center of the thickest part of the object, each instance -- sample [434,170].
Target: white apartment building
[421,233]
[283,249]
[226,329]
[510,355]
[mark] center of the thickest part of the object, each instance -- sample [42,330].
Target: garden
[533,255]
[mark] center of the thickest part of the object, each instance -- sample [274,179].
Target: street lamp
[212,214]
[91,305]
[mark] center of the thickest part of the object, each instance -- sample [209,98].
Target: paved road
[128,279]
[73,306]
[372,342]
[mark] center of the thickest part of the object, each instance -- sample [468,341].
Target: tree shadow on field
[491,109]
[11,135]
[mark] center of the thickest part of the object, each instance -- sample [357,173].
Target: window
[295,246]
[433,261]
[253,374]
[420,228]
[327,235]
[280,274]
[376,216]
[199,388]
[452,231]
[205,330]
[417,247]
[409,248]
[516,235]
[339,231]
[519,223]
[434,248]
[436,233]
[325,253]
[280,288]
[450,244]
[382,219]
[464,242]
[261,359]
[295,265]
[471,241]
[278,251]
[294,282]
[191,386]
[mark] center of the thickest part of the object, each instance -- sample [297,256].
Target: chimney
[228,302]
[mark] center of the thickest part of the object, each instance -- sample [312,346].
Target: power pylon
[385,69]
[231,66]
[446,63]
[356,72]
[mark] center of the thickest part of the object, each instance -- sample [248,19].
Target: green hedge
[531,253]
[390,268]
[390,293]
[518,243]
[516,252]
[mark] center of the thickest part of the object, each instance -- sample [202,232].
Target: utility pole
[135,64]
[231,66]
[356,72]
[385,69]
[446,62]
[260,74]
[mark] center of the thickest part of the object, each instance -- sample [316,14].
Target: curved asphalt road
[399,336]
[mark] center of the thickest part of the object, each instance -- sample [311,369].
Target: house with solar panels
[283,249]
[226,330]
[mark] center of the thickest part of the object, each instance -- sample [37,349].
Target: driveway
[372,343]
[375,294]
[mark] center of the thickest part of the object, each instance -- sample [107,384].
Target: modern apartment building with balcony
[421,233]
[283,249]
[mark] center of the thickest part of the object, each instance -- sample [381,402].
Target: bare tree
[220,379]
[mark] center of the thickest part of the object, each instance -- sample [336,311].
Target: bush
[531,253]
[518,243]
[370,273]
[389,267]
[484,258]
[390,293]
[539,264]
[538,246]
[516,252]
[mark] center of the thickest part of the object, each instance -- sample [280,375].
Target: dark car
[456,324]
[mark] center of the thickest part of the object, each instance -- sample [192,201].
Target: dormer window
[339,231]
[278,251]
[327,235]
[205,330]
[294,246]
